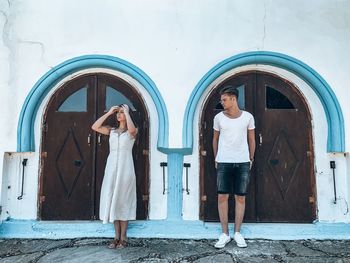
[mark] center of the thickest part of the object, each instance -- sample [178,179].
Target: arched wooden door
[73,156]
[282,178]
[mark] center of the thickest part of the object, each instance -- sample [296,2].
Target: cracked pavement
[172,250]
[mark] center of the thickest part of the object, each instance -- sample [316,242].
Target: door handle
[163,165]
[260,139]
[77,163]
[274,161]
[89,139]
[99,139]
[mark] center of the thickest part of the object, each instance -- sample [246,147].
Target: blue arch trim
[25,130]
[334,115]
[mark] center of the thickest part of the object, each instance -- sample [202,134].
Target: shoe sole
[222,245]
[241,245]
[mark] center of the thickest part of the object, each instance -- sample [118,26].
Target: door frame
[26,137]
[328,121]
[29,128]
[42,133]
[255,59]
[312,176]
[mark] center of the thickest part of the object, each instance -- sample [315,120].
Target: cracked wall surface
[176,39]
[6,56]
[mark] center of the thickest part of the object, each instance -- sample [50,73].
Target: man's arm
[251,143]
[215,143]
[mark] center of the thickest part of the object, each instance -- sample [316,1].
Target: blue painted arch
[334,115]
[25,129]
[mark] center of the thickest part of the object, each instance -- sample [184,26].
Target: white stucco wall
[175,43]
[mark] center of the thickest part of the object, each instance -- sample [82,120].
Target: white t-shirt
[233,141]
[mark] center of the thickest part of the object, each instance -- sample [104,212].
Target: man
[234,147]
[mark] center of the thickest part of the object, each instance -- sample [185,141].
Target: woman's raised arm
[98,125]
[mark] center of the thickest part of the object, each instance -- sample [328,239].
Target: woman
[118,192]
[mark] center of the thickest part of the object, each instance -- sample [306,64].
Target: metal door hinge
[89,139]
[145,152]
[145,197]
[308,153]
[45,127]
[204,153]
[44,154]
[203,198]
[42,198]
[260,139]
[312,199]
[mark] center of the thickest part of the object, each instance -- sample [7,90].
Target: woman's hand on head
[113,109]
[125,108]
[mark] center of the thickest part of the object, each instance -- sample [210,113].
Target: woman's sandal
[113,244]
[122,244]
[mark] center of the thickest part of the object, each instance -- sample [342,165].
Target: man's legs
[239,211]
[241,187]
[223,211]
[224,184]
[239,214]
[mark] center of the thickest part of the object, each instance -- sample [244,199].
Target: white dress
[118,192]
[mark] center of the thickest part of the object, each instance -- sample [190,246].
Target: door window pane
[276,100]
[115,98]
[241,97]
[77,102]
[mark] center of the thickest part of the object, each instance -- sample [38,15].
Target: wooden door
[74,156]
[285,155]
[209,211]
[278,185]
[111,92]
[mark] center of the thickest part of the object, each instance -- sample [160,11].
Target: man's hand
[251,164]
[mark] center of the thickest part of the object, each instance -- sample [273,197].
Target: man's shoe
[223,240]
[239,240]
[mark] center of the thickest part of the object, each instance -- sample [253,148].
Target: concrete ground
[172,250]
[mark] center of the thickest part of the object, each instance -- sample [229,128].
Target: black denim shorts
[233,178]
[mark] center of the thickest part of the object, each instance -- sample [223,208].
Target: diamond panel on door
[283,163]
[69,171]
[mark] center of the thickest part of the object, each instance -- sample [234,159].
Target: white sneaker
[239,240]
[223,240]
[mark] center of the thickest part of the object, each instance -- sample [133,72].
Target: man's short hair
[229,90]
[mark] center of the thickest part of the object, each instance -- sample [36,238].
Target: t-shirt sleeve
[251,123]
[216,125]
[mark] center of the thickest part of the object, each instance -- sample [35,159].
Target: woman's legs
[115,242]
[117,229]
[123,228]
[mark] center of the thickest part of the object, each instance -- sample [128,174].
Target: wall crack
[264,28]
